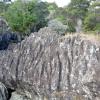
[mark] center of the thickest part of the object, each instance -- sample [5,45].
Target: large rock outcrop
[50,67]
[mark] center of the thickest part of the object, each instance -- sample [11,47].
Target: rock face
[7,39]
[16,96]
[3,92]
[3,25]
[49,67]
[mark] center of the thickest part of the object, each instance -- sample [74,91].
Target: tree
[52,8]
[78,8]
[92,20]
[19,17]
[22,16]
[59,19]
[3,7]
[41,10]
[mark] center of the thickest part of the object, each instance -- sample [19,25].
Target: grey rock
[53,67]
[3,25]
[3,92]
[78,27]
[57,26]
[19,96]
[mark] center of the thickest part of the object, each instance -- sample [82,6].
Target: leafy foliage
[62,17]
[23,16]
[41,10]
[3,8]
[92,20]
[29,16]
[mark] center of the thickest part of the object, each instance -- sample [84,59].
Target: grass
[91,36]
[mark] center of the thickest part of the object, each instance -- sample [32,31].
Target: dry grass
[93,37]
[79,97]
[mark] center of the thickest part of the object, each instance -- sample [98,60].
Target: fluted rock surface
[49,66]
[3,92]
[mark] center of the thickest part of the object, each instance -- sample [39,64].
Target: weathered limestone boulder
[51,67]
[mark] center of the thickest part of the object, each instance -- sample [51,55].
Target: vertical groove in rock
[50,78]
[17,68]
[60,73]
[69,73]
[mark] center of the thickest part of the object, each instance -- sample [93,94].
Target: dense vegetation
[29,16]
[23,16]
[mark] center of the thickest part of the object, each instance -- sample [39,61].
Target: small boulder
[18,96]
